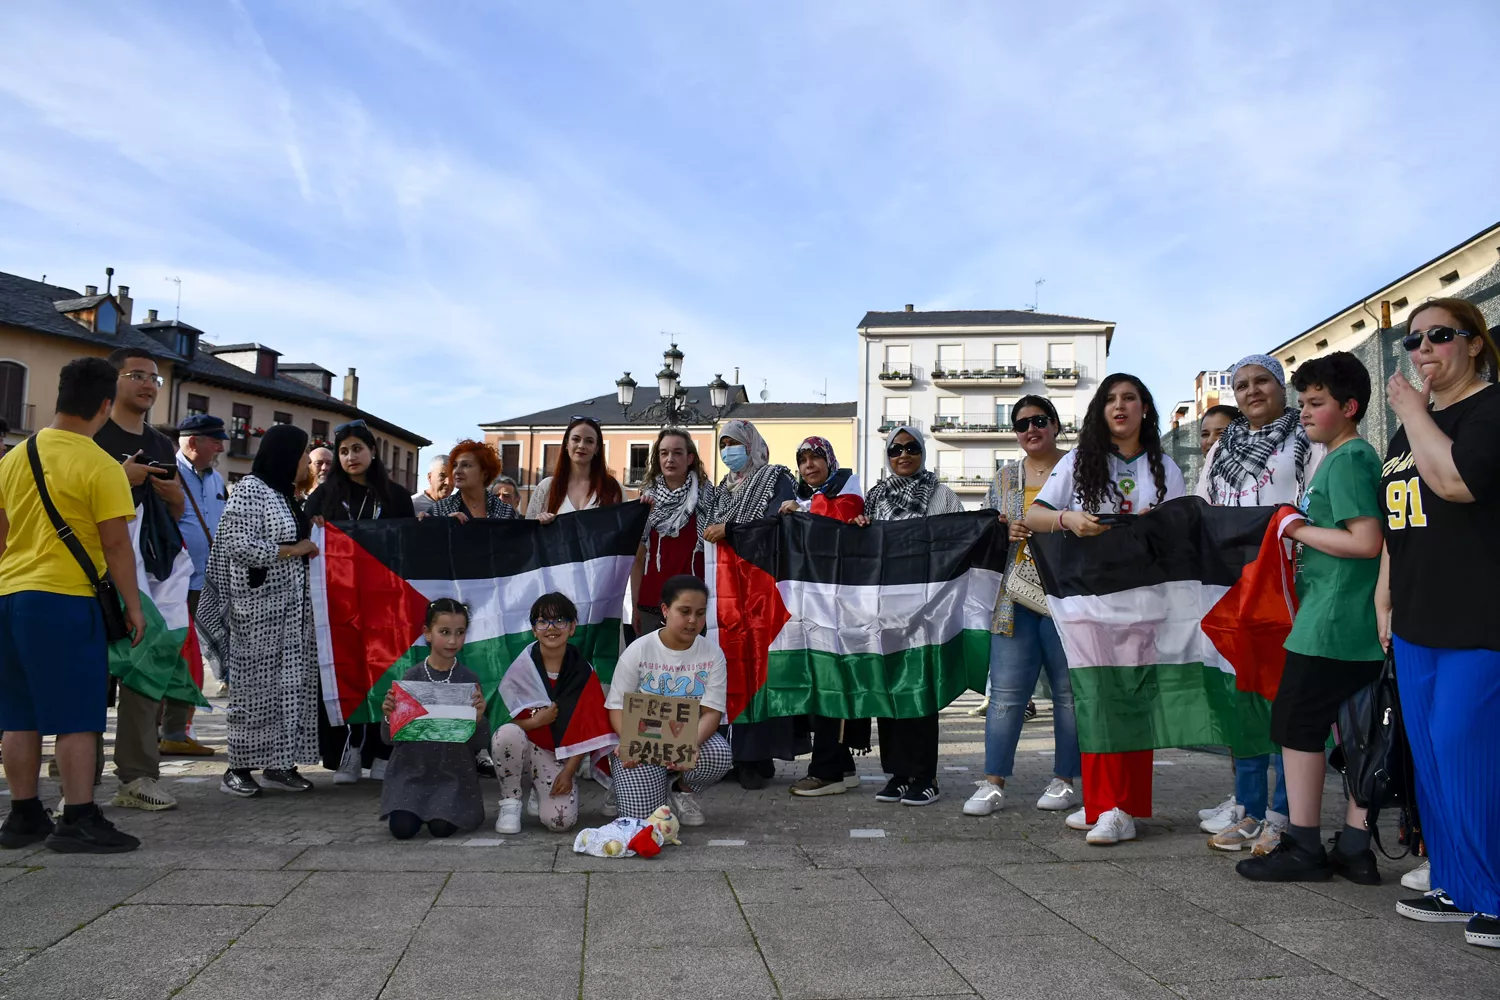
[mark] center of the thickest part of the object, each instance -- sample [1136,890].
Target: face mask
[736,457]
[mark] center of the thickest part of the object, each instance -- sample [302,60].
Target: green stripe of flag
[436,729]
[1167,705]
[156,668]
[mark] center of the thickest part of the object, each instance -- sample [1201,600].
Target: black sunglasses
[909,448]
[1023,424]
[1435,335]
[351,425]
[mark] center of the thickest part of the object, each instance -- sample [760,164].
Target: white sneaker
[1113,827]
[1219,822]
[1058,796]
[1078,821]
[981,708]
[685,805]
[611,807]
[1234,838]
[509,820]
[533,804]
[987,798]
[851,780]
[1419,878]
[377,769]
[143,793]
[349,771]
[1222,807]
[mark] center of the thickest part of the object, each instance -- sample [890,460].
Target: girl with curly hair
[473,465]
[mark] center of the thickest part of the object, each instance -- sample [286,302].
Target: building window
[319,433]
[640,460]
[265,365]
[1060,357]
[1400,303]
[105,317]
[187,344]
[281,418]
[396,458]
[196,405]
[950,357]
[510,460]
[897,411]
[1448,278]
[1290,360]
[897,359]
[411,468]
[1322,344]
[1358,324]
[1008,356]
[13,394]
[239,429]
[549,459]
[950,410]
[1067,414]
[950,465]
[1003,410]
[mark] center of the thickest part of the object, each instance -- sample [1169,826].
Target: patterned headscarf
[1241,455]
[820,446]
[743,495]
[1267,362]
[896,498]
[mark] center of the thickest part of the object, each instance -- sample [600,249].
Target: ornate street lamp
[625,391]
[673,406]
[673,358]
[666,383]
[718,392]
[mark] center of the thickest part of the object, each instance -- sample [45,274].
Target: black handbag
[1373,752]
[115,625]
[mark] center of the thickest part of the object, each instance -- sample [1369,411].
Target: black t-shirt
[120,444]
[359,507]
[1444,552]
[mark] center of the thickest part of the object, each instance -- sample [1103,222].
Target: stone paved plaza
[306,896]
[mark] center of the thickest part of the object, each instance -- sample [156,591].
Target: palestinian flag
[168,662]
[889,621]
[1173,625]
[582,723]
[372,582]
[433,711]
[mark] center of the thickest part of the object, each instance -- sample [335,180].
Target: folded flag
[373,580]
[890,620]
[433,711]
[582,723]
[1173,625]
[167,663]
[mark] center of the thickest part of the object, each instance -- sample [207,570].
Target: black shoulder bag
[1373,752]
[115,626]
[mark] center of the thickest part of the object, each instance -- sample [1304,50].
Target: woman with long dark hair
[676,488]
[580,480]
[1118,468]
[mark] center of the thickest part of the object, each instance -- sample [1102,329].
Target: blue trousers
[1016,661]
[1250,784]
[1450,701]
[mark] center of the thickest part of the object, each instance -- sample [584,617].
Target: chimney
[91,289]
[351,388]
[910,307]
[127,304]
[150,315]
[1385,314]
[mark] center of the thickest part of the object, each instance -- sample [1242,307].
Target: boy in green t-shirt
[1334,648]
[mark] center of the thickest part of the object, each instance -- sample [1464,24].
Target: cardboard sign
[661,730]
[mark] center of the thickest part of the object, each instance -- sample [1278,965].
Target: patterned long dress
[256,615]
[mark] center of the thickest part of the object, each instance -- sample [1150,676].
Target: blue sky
[491,208]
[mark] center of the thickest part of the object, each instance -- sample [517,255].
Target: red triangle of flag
[750,614]
[407,708]
[1250,623]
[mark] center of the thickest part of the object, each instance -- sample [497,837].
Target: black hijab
[276,462]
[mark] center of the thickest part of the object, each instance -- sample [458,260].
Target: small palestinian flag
[890,621]
[433,711]
[168,662]
[582,723]
[373,580]
[1173,625]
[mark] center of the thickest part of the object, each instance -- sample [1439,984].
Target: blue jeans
[1016,661]
[1250,784]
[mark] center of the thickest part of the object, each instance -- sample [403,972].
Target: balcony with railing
[635,476]
[970,428]
[889,422]
[974,479]
[897,376]
[239,445]
[1061,378]
[21,417]
[979,372]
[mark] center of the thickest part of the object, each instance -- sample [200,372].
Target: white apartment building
[956,375]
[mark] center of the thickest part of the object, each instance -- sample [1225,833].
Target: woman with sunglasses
[751,489]
[1023,639]
[908,747]
[473,465]
[1441,488]
[580,480]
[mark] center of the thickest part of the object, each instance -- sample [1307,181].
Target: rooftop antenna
[177,316]
[1036,293]
[765,393]
[824,394]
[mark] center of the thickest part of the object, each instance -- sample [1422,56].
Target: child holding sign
[429,781]
[676,662]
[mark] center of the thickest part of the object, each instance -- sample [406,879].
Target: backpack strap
[64,532]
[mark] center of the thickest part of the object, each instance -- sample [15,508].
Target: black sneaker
[287,778]
[1433,908]
[90,833]
[23,828]
[1288,862]
[921,793]
[1358,868]
[1483,929]
[239,784]
[751,780]
[893,790]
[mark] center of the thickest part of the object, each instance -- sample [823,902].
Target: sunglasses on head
[1023,424]
[909,448]
[1435,335]
[351,425]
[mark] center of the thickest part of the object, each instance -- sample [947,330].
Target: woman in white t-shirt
[1117,468]
[580,480]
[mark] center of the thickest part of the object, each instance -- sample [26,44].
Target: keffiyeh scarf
[896,498]
[741,500]
[671,509]
[1242,455]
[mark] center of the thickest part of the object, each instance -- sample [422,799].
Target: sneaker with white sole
[1059,795]
[1483,929]
[611,807]
[1419,879]
[852,780]
[1235,838]
[533,804]
[1078,820]
[1219,822]
[143,793]
[810,787]
[1113,827]
[1433,907]
[981,708]
[509,820]
[1270,834]
[987,798]
[920,793]
[1222,807]
[685,805]
[349,769]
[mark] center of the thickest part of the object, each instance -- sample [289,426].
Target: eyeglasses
[909,448]
[1436,335]
[351,425]
[155,380]
[1023,424]
[551,624]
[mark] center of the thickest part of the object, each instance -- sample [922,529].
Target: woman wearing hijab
[676,488]
[1262,458]
[751,490]
[908,747]
[256,617]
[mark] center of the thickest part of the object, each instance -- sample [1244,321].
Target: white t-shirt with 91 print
[1132,477]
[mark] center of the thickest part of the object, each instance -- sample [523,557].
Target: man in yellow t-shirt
[54,662]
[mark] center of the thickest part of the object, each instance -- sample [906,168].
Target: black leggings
[406,825]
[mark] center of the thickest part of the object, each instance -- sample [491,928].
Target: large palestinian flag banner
[887,621]
[372,582]
[1173,625]
[168,662]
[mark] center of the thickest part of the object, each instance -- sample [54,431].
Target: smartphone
[170,468]
[1117,518]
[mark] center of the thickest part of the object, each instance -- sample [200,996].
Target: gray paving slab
[1006,913]
[6,874]
[513,889]
[810,887]
[937,882]
[1070,876]
[659,969]
[1152,841]
[852,950]
[303,972]
[12,957]
[491,951]
[366,910]
[165,856]
[1325,987]
[851,853]
[694,855]
[1406,961]
[703,904]
[428,856]
[44,906]
[1212,884]
[130,953]
[197,887]
[1065,966]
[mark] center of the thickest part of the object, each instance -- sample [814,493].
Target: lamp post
[672,407]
